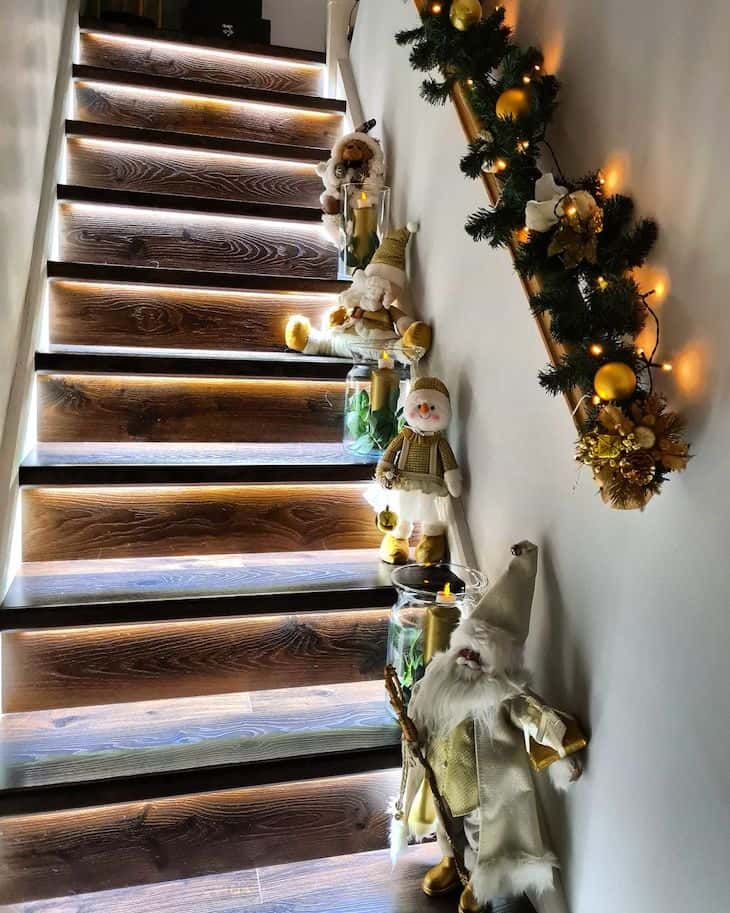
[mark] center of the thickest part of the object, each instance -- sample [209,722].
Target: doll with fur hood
[369,315]
[356,158]
[477,720]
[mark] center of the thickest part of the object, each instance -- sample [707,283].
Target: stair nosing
[196,141]
[302,368]
[190,278]
[295,55]
[139,788]
[77,193]
[212,89]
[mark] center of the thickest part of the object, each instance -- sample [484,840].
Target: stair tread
[97,463]
[59,593]
[186,204]
[102,360]
[198,141]
[359,883]
[193,278]
[85,744]
[203,88]
[89,24]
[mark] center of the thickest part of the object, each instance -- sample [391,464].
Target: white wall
[297,23]
[632,617]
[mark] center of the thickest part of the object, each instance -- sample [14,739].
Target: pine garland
[582,261]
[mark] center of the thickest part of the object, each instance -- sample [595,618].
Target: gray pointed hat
[508,604]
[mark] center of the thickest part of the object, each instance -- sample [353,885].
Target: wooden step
[133,166]
[116,664]
[179,106]
[80,593]
[225,829]
[185,408]
[173,55]
[189,278]
[144,463]
[361,883]
[63,524]
[148,234]
[113,314]
[195,141]
[52,747]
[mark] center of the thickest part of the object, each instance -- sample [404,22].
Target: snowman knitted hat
[430,383]
[508,604]
[389,260]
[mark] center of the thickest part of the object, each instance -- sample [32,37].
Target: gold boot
[417,335]
[467,902]
[442,878]
[297,332]
[393,551]
[431,549]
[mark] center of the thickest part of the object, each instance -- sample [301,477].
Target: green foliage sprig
[595,307]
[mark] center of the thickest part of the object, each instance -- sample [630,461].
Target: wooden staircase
[192,650]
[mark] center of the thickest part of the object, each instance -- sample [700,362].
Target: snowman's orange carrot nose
[424,408]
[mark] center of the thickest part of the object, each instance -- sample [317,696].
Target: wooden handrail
[471,125]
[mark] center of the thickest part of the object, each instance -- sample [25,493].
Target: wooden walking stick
[410,733]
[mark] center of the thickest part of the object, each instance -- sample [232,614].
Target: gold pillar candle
[363,240]
[383,381]
[441,620]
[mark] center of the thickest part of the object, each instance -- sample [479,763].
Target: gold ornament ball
[513,103]
[614,380]
[465,13]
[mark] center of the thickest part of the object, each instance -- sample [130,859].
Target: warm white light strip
[179,290]
[151,214]
[208,380]
[195,97]
[132,145]
[205,51]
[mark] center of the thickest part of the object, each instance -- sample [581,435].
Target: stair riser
[61,524]
[182,61]
[154,109]
[92,314]
[127,236]
[164,169]
[87,407]
[51,855]
[113,664]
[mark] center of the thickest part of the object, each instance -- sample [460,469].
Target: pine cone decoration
[638,468]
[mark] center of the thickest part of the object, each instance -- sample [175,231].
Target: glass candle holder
[430,602]
[364,222]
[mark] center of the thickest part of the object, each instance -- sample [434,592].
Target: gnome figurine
[418,470]
[356,158]
[368,315]
[484,733]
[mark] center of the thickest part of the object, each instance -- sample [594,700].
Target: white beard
[452,691]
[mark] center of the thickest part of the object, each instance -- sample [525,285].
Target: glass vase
[375,390]
[364,222]
[430,601]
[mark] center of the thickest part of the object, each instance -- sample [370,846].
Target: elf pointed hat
[508,604]
[389,260]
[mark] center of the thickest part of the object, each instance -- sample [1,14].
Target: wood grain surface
[43,748]
[114,846]
[133,166]
[179,112]
[116,663]
[92,233]
[207,64]
[87,407]
[89,313]
[122,522]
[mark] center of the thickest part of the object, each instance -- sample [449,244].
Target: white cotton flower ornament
[544,211]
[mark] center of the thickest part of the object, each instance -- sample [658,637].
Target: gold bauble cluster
[465,13]
[513,103]
[614,380]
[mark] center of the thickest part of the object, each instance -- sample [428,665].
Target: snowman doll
[418,471]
